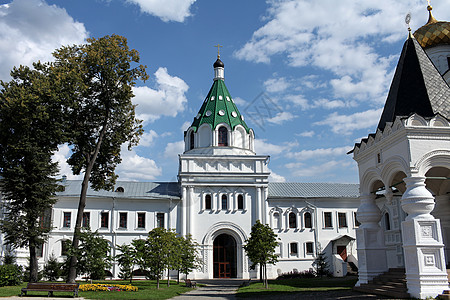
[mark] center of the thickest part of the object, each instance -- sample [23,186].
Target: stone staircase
[391,283]
[352,269]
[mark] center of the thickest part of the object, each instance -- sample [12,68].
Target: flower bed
[100,287]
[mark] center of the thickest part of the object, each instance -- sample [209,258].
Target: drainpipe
[316,231]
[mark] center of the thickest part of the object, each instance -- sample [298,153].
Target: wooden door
[342,251]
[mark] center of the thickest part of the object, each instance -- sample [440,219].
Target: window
[208,203]
[342,218]
[292,220]
[66,219]
[64,247]
[223,136]
[224,202]
[86,220]
[40,250]
[387,222]
[294,249]
[309,248]
[327,220]
[357,223]
[276,220]
[308,220]
[104,219]
[240,202]
[123,219]
[191,141]
[160,220]
[141,220]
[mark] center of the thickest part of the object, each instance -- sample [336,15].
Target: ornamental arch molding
[367,181]
[225,227]
[436,158]
[392,167]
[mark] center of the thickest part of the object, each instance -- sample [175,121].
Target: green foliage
[52,269]
[30,131]
[321,264]
[260,248]
[189,259]
[11,275]
[9,258]
[93,255]
[127,261]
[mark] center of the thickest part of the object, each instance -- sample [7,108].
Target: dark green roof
[217,108]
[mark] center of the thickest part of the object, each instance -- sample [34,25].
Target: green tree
[159,246]
[321,263]
[260,248]
[97,79]
[127,261]
[30,130]
[141,255]
[93,255]
[189,259]
[52,268]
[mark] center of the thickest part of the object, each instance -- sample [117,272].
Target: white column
[426,273]
[258,203]
[183,212]
[370,239]
[441,211]
[266,206]
[191,209]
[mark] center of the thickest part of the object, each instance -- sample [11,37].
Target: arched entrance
[224,256]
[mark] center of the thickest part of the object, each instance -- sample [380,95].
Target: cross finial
[218,50]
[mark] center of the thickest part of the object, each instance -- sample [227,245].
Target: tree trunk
[33,264]
[168,277]
[178,276]
[265,277]
[260,273]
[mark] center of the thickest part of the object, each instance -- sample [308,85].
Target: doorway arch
[224,256]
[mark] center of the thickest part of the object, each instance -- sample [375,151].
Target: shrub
[11,275]
[295,274]
[52,269]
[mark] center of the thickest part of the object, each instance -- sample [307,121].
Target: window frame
[102,220]
[327,214]
[342,216]
[240,202]
[293,246]
[67,219]
[310,220]
[123,223]
[208,202]
[160,220]
[292,222]
[307,245]
[222,139]
[143,215]
[86,219]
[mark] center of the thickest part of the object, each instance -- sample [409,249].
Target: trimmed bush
[11,275]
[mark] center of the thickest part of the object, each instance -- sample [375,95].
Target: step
[383,292]
[385,288]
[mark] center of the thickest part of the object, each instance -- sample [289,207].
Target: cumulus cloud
[136,168]
[274,177]
[61,157]
[168,99]
[264,147]
[166,10]
[30,30]
[147,138]
[346,124]
[306,133]
[318,153]
[274,85]
[281,117]
[173,149]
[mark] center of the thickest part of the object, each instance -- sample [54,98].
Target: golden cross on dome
[218,50]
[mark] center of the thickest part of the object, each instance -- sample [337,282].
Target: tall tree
[260,248]
[188,250]
[127,261]
[98,78]
[30,131]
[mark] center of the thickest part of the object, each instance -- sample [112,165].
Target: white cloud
[166,10]
[299,100]
[329,104]
[316,170]
[240,102]
[318,153]
[136,168]
[346,124]
[341,38]
[168,99]
[275,85]
[173,149]
[30,30]
[61,157]
[147,138]
[263,147]
[281,117]
[274,177]
[306,133]
[185,126]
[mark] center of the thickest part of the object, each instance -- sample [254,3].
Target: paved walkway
[213,289]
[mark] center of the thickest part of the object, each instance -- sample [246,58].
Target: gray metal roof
[131,189]
[313,190]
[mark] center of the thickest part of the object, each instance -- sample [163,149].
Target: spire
[417,87]
[218,66]
[431,19]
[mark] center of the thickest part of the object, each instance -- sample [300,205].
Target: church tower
[224,183]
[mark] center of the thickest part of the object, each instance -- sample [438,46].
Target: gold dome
[433,33]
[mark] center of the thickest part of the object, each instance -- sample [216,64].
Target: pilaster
[423,246]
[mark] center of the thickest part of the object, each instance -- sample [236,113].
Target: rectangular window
[160,220]
[66,219]
[141,220]
[208,202]
[123,220]
[86,219]
[40,250]
[327,220]
[356,220]
[342,218]
[104,220]
[309,248]
[240,202]
[294,248]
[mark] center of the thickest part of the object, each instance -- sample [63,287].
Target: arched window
[292,220]
[223,136]
[191,140]
[307,219]
[224,202]
[387,222]
[240,202]
[276,220]
[208,202]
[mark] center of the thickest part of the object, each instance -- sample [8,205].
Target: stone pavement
[216,289]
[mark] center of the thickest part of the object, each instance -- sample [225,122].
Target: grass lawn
[297,285]
[147,290]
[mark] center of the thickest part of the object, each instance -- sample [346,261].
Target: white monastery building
[397,218]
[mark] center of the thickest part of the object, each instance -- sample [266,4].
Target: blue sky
[324,66]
